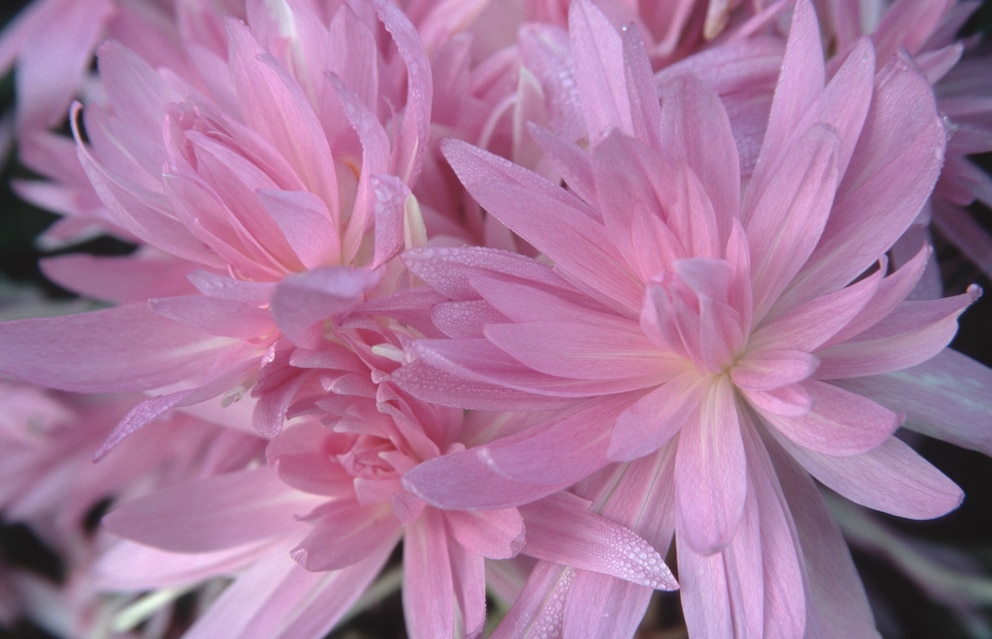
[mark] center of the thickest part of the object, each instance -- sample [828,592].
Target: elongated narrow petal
[203,515]
[892,478]
[562,530]
[915,332]
[568,349]
[656,418]
[569,236]
[837,605]
[711,472]
[839,422]
[88,347]
[962,420]
[599,70]
[427,596]
[516,469]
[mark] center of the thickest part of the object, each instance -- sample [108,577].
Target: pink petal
[538,611]
[52,65]
[119,279]
[656,418]
[582,351]
[768,369]
[477,361]
[494,534]
[451,271]
[560,529]
[891,478]
[411,146]
[218,317]
[300,302]
[783,564]
[344,532]
[791,400]
[277,599]
[550,218]
[946,397]
[598,56]
[788,216]
[800,81]
[427,580]
[515,469]
[891,174]
[913,333]
[839,423]
[306,223]
[892,290]
[705,592]
[131,566]
[115,350]
[274,105]
[809,325]
[837,607]
[696,131]
[204,515]
[468,579]
[711,471]
[600,605]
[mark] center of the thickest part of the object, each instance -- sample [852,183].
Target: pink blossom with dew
[342,481]
[929,31]
[52,486]
[717,317]
[274,178]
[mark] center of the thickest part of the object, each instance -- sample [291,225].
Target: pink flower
[711,317]
[261,169]
[342,481]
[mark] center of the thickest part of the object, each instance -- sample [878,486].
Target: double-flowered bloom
[697,285]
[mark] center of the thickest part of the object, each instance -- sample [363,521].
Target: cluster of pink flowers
[537,290]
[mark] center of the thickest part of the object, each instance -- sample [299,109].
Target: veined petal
[582,351]
[891,174]
[768,369]
[695,131]
[789,215]
[204,515]
[809,325]
[791,400]
[837,607]
[562,530]
[427,583]
[278,599]
[451,271]
[783,564]
[656,418]
[963,420]
[301,301]
[345,531]
[88,349]
[599,70]
[839,423]
[800,81]
[496,475]
[913,333]
[711,471]
[551,219]
[892,478]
